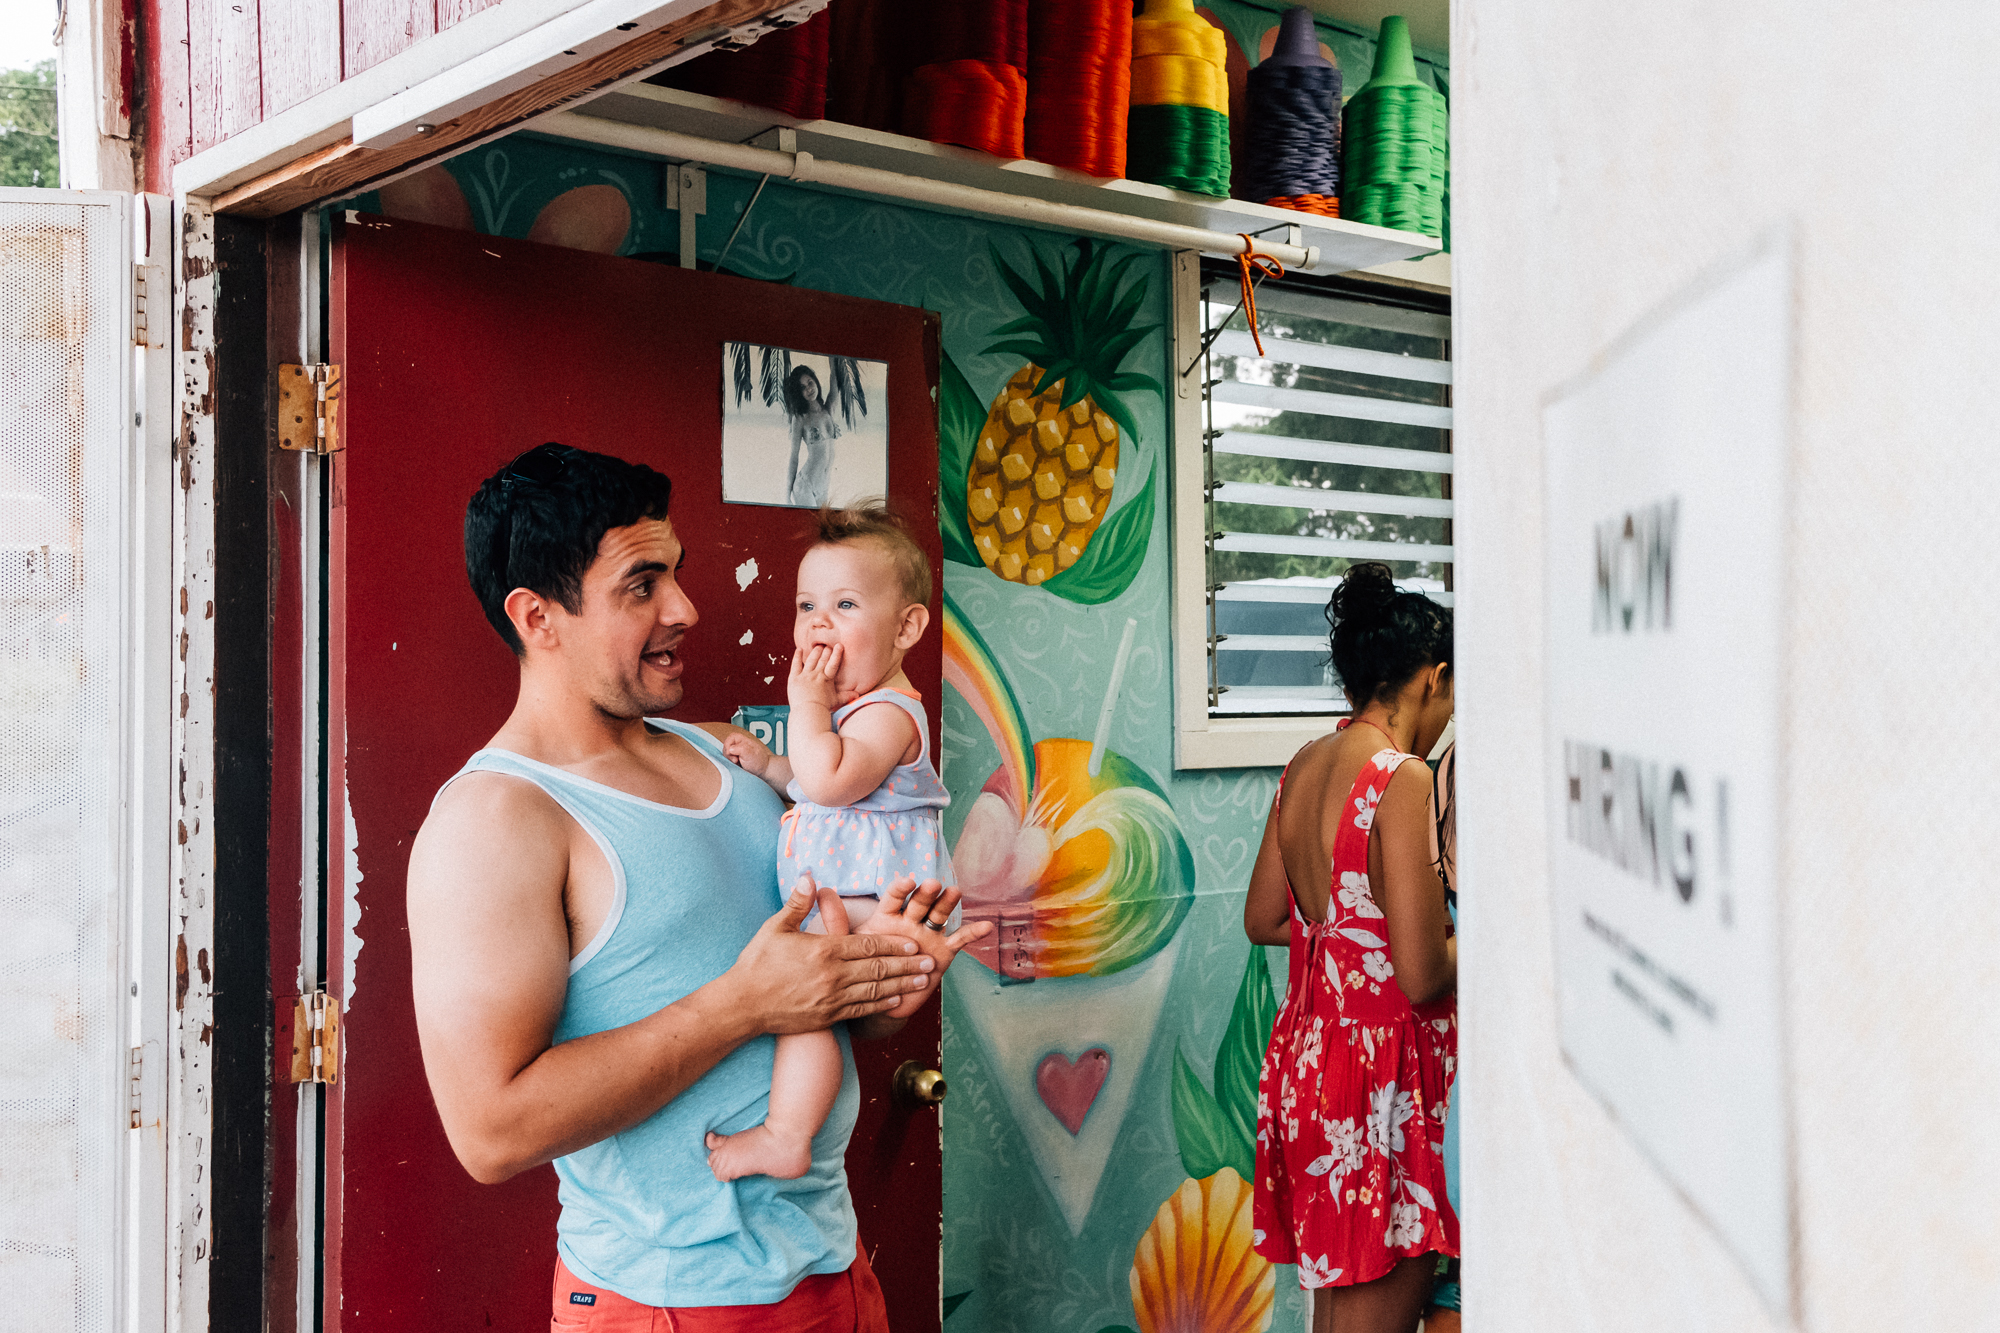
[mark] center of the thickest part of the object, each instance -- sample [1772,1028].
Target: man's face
[623,647]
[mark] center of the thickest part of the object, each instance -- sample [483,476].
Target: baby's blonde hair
[873,521]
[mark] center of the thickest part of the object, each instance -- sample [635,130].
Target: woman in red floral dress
[1352,1102]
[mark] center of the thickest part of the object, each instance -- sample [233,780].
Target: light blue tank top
[641,1213]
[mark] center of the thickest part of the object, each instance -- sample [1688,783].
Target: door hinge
[309,409]
[135,1082]
[152,305]
[316,1039]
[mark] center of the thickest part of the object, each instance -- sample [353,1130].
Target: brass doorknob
[917,1086]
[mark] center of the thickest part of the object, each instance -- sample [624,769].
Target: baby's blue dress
[858,850]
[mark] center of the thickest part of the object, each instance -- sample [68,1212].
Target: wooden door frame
[239,1241]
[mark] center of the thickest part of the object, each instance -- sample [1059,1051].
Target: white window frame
[1202,741]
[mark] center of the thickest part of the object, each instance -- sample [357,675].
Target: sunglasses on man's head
[539,466]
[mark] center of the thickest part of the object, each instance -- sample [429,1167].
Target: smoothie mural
[1103,1049]
[1073,852]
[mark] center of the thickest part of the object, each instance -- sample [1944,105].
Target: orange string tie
[1270,267]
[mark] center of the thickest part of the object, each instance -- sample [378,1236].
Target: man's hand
[747,752]
[805,983]
[905,908]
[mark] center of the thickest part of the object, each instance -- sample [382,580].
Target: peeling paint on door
[350,917]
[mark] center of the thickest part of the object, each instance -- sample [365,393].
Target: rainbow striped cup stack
[1178,134]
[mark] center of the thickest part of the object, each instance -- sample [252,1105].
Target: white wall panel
[1606,155]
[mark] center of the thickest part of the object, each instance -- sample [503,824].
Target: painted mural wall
[1103,1050]
[1103,1053]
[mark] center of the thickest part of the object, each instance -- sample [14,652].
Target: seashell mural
[1194,1270]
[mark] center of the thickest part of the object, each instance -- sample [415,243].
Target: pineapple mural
[1041,478]
[1039,469]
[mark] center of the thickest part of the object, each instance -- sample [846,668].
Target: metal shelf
[1342,245]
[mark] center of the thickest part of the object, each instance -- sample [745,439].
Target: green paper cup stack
[1394,143]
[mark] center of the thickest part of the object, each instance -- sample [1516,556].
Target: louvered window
[1331,446]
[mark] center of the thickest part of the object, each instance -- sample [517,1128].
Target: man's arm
[490,955]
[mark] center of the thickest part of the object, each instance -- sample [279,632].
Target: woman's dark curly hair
[795,392]
[1381,635]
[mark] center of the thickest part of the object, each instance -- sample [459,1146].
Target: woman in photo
[810,475]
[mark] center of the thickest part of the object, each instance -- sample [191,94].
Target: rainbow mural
[970,669]
[1083,873]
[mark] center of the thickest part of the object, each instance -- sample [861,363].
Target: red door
[459,351]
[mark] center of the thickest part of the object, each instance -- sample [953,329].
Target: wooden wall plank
[300,46]
[204,80]
[239,63]
[338,168]
[374,30]
[226,85]
[163,44]
[454,11]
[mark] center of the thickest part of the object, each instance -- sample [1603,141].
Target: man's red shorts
[849,1302]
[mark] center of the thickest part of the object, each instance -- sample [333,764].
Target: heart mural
[1024,1035]
[1069,1087]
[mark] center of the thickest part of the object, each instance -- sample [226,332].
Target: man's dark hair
[536,523]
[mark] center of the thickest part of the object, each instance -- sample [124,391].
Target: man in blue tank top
[599,951]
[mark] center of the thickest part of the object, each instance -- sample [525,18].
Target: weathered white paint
[350,916]
[1603,155]
[747,636]
[746,573]
[93,123]
[193,860]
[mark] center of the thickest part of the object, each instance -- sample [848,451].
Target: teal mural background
[1353,44]
[1008,1250]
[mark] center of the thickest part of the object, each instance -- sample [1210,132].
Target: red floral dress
[1356,1083]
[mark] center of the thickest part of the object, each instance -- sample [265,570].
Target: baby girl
[859,769]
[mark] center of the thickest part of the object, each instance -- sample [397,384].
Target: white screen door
[80,871]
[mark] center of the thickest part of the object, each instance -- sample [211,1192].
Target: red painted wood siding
[214,68]
[163,118]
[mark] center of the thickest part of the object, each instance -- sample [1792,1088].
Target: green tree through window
[28,126]
[1230,565]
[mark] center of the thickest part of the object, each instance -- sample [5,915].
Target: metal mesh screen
[61,1066]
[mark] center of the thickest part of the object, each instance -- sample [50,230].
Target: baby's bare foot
[758,1152]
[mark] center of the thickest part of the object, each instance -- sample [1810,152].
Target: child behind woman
[859,770]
